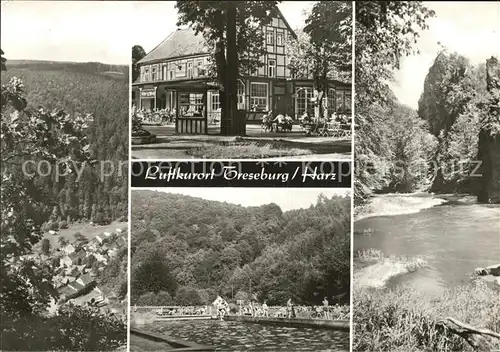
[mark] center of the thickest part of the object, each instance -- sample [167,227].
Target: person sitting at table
[280,119]
[305,118]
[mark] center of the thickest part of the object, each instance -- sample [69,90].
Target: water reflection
[236,336]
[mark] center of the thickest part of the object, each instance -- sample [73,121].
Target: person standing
[326,313]
[265,309]
[289,308]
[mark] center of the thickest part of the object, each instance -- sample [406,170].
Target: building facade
[183,59]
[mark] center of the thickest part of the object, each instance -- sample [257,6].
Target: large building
[172,73]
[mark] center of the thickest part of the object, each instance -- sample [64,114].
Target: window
[215,103]
[190,70]
[171,74]
[331,101]
[241,95]
[258,96]
[153,74]
[270,38]
[180,70]
[348,102]
[146,74]
[191,104]
[279,39]
[303,101]
[340,101]
[271,68]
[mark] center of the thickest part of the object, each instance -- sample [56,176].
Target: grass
[250,150]
[87,230]
[402,319]
[374,269]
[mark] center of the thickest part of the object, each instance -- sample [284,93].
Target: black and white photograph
[242,80]
[427,177]
[247,269]
[64,189]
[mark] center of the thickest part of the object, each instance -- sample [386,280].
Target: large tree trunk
[489,142]
[220,62]
[231,73]
[478,339]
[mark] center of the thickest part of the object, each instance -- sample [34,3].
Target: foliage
[95,104]
[45,246]
[323,49]
[454,103]
[412,149]
[35,134]
[403,320]
[73,328]
[232,31]
[385,32]
[161,298]
[137,54]
[114,275]
[152,275]
[219,248]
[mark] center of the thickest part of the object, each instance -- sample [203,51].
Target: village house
[174,76]
[68,249]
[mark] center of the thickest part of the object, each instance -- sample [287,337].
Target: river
[453,234]
[237,336]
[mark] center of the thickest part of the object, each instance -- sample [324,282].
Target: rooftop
[182,42]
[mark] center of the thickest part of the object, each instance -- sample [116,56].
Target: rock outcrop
[493,270]
[489,138]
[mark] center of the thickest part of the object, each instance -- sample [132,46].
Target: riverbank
[397,204]
[374,270]
[401,319]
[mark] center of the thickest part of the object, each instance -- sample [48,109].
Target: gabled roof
[76,286]
[182,42]
[86,279]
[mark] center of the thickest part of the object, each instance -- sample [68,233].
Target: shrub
[54,226]
[122,219]
[45,227]
[404,320]
[63,225]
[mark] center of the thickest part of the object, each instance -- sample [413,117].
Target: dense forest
[434,147]
[34,129]
[186,250]
[79,89]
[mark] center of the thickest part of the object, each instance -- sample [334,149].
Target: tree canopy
[209,248]
[137,54]
[232,30]
[38,134]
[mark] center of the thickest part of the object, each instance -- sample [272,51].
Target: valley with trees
[186,251]
[73,116]
[423,177]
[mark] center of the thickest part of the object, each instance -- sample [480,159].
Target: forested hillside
[79,89]
[434,147]
[187,250]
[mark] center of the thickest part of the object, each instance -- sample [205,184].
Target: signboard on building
[148,93]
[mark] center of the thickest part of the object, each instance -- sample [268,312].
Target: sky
[154,21]
[79,31]
[102,31]
[470,28]
[286,198]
